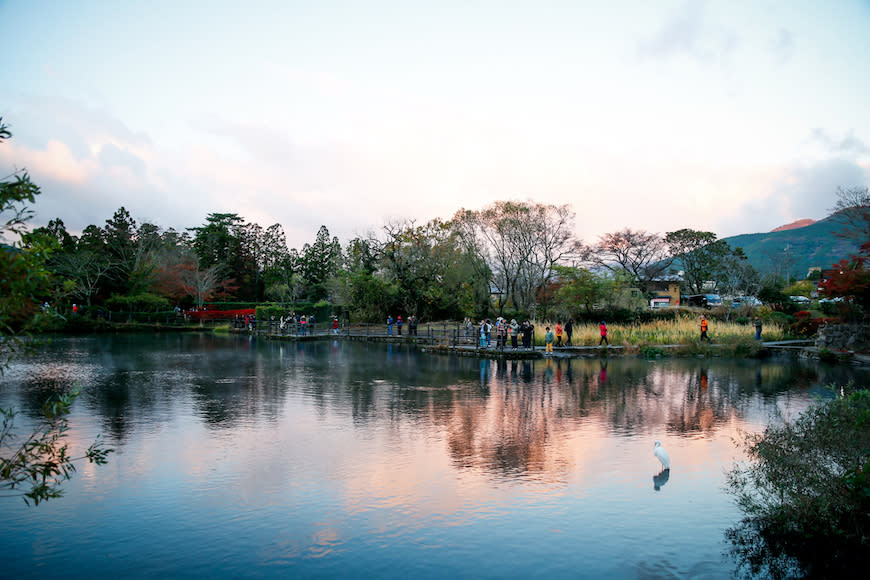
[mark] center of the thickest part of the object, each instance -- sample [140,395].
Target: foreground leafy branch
[38,465]
[806,493]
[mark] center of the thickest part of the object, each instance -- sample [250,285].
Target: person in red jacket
[603,328]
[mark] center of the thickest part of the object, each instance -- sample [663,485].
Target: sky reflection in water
[243,457]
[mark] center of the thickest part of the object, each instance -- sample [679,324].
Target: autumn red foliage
[851,278]
[805,325]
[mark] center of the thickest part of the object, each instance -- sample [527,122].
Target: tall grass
[222,328]
[663,332]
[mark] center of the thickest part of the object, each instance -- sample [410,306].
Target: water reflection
[385,455]
[661,478]
[508,424]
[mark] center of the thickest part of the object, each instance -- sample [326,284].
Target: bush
[780,318]
[747,349]
[806,324]
[806,493]
[827,356]
[137,303]
[230,305]
[649,352]
[267,311]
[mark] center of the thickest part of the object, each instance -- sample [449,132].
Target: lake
[243,457]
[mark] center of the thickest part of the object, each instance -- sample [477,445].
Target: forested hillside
[795,251]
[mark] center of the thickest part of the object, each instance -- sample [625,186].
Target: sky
[725,116]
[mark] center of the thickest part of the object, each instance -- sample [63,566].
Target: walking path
[448,344]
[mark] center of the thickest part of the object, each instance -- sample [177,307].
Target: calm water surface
[240,457]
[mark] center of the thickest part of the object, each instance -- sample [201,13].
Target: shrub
[774,317]
[827,356]
[806,324]
[137,303]
[650,352]
[805,493]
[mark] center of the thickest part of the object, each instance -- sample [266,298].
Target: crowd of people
[299,324]
[399,323]
[520,335]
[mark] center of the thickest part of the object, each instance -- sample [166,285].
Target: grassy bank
[666,332]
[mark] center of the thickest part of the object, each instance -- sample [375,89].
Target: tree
[40,463]
[319,262]
[519,242]
[201,283]
[172,258]
[16,192]
[219,243]
[366,292]
[852,211]
[805,493]
[642,255]
[581,287]
[23,269]
[39,460]
[275,256]
[733,273]
[851,279]
[87,269]
[424,269]
[698,253]
[57,231]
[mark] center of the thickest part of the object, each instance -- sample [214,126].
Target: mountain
[798,249]
[795,225]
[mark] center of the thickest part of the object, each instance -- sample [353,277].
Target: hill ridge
[795,250]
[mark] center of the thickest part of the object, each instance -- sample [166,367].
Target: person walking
[603,329]
[757,323]
[335,325]
[514,330]
[390,325]
[549,337]
[399,325]
[569,331]
[559,333]
[704,327]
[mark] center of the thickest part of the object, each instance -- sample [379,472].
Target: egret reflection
[661,478]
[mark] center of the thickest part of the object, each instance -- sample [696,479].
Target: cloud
[111,155]
[42,118]
[799,191]
[56,162]
[783,45]
[690,33]
[848,143]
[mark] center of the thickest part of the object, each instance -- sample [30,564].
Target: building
[666,292]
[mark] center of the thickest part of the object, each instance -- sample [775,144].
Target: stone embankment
[843,337]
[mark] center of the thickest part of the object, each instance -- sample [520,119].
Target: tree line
[510,258]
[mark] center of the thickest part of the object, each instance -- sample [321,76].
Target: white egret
[662,455]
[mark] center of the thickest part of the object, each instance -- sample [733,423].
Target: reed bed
[663,332]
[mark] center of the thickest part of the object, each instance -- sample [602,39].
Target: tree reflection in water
[417,428]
